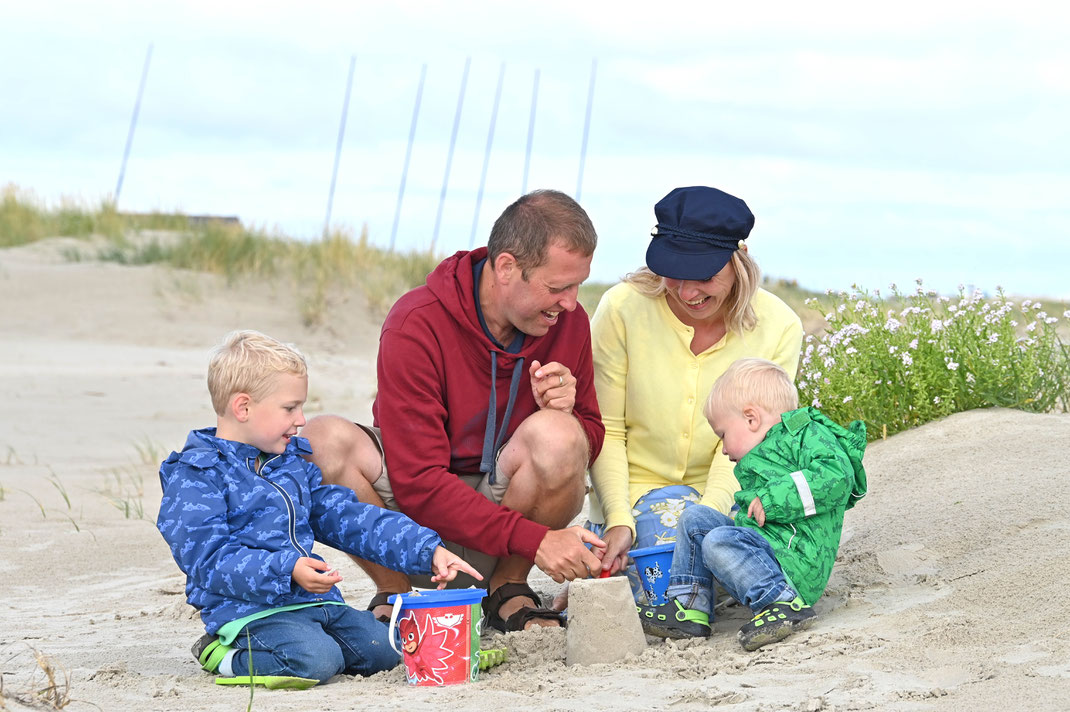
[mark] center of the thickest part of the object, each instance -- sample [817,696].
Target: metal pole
[449,156]
[338,147]
[133,124]
[486,155]
[586,129]
[531,133]
[408,154]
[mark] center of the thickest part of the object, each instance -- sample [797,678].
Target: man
[486,410]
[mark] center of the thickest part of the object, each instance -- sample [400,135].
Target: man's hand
[445,565]
[756,511]
[618,542]
[563,556]
[553,386]
[314,575]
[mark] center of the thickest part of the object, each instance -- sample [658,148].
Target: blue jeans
[710,546]
[316,642]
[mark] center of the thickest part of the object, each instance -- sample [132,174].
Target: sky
[875,145]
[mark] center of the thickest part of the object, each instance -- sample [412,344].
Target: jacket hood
[452,284]
[852,439]
[203,449]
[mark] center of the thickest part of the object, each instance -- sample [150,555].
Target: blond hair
[245,362]
[740,315]
[752,381]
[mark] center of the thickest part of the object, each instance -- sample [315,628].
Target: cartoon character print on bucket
[652,564]
[439,635]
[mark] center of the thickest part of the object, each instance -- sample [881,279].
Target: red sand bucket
[652,564]
[439,634]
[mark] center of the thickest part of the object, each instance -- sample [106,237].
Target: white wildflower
[936,399]
[851,350]
[892,349]
[914,344]
[993,338]
[936,326]
[1014,323]
[1032,326]
[892,325]
[841,308]
[1050,320]
[970,378]
[1066,314]
[816,403]
[1026,303]
[847,399]
[878,382]
[907,360]
[951,365]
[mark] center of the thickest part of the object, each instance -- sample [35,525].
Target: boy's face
[740,431]
[276,418]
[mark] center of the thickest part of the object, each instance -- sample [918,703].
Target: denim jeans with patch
[709,547]
[316,642]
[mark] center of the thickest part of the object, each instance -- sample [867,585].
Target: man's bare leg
[347,456]
[546,461]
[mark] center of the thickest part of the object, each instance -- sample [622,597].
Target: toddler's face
[738,433]
[278,416]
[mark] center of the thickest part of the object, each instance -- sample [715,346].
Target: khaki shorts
[483,563]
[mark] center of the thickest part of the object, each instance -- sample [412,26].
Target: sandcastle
[603,625]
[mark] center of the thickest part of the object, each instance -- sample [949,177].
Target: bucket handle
[394,622]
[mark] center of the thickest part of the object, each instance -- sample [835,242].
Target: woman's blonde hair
[752,381]
[740,315]
[245,362]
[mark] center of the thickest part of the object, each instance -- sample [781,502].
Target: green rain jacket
[806,472]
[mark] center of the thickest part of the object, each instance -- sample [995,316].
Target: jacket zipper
[291,511]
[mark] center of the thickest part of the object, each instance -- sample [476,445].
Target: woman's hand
[314,576]
[618,542]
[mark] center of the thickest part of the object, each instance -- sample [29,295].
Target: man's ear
[753,417]
[505,267]
[239,406]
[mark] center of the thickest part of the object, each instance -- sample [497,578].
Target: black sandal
[380,599]
[493,603]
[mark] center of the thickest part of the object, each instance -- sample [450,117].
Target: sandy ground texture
[950,591]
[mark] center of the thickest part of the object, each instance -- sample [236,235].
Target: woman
[660,339]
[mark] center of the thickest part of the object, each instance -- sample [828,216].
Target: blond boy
[798,472]
[241,509]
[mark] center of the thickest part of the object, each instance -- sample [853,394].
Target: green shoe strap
[271,682]
[213,655]
[688,614]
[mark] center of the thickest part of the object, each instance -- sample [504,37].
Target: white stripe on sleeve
[807,497]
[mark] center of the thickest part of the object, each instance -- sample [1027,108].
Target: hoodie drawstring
[493,437]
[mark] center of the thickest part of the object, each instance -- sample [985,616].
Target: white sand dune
[950,591]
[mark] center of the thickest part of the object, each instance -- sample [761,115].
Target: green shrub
[897,368]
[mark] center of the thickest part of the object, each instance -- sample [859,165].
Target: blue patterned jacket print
[237,534]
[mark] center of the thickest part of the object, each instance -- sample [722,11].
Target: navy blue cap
[698,230]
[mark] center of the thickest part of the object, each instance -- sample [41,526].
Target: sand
[949,592]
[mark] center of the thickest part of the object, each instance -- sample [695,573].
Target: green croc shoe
[776,622]
[671,620]
[271,682]
[209,652]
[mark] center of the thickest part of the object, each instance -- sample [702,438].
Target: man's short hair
[527,227]
[752,381]
[245,362]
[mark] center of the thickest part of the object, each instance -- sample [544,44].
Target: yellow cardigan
[651,390]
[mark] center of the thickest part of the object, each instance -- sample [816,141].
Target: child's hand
[756,511]
[445,565]
[314,575]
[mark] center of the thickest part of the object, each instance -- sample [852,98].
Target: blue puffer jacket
[236,534]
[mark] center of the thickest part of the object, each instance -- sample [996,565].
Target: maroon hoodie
[434,373]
